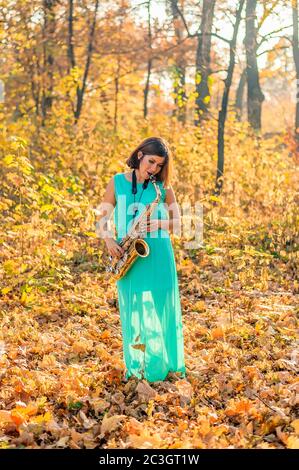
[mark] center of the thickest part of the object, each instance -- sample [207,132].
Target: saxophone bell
[141,247]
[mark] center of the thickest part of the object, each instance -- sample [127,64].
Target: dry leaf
[295,425]
[62,442]
[144,440]
[111,423]
[140,346]
[185,391]
[87,422]
[292,442]
[5,417]
[145,391]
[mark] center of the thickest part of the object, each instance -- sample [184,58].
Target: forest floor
[62,369]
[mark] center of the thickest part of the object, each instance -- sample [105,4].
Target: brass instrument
[132,243]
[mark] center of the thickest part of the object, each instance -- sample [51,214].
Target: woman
[148,294]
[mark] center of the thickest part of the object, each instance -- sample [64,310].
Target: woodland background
[82,83]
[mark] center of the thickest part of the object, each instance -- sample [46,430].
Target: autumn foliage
[81,84]
[62,371]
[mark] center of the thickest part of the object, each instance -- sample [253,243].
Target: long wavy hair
[155,146]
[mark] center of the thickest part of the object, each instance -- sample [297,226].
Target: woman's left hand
[152,225]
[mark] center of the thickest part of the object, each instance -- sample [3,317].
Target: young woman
[148,294]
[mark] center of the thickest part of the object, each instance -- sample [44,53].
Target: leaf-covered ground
[61,366]
[62,374]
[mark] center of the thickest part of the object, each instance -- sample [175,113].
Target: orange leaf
[217,333]
[5,416]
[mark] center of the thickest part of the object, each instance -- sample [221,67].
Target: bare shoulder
[109,195]
[127,175]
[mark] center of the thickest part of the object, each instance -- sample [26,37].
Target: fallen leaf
[111,423]
[185,391]
[295,425]
[87,422]
[145,391]
[5,417]
[292,442]
[140,346]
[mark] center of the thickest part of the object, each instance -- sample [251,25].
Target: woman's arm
[103,226]
[174,222]
[104,211]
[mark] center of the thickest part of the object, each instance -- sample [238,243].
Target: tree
[203,58]
[48,57]
[296,60]
[268,8]
[203,53]
[240,94]
[71,55]
[255,96]
[149,61]
[179,67]
[224,104]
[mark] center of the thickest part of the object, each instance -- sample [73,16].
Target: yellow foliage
[60,344]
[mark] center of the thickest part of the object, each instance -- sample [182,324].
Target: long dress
[148,294]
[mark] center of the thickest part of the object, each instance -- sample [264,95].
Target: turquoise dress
[148,294]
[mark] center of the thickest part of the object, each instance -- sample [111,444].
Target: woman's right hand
[113,248]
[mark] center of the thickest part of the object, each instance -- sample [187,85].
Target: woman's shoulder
[125,175]
[120,182]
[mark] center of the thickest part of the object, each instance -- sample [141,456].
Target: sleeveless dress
[148,294]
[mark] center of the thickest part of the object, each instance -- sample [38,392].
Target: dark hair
[154,146]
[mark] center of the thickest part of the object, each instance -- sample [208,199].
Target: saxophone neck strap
[134,183]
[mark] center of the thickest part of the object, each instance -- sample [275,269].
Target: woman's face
[150,165]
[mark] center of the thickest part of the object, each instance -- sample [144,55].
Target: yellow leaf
[10,267]
[45,418]
[90,234]
[8,159]
[200,306]
[48,361]
[295,425]
[5,417]
[5,290]
[150,408]
[47,207]
[293,442]
[198,78]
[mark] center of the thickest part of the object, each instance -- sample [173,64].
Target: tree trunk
[48,59]
[115,118]
[223,110]
[81,91]
[296,60]
[240,95]
[179,88]
[255,96]
[203,58]
[149,62]
[70,42]
[146,89]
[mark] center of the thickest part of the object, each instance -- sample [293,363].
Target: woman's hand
[153,225]
[113,248]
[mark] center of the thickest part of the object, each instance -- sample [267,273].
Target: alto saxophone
[132,243]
